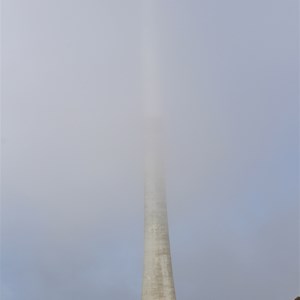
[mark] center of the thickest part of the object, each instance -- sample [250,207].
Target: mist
[73,153]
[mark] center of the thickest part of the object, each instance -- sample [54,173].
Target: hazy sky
[72,148]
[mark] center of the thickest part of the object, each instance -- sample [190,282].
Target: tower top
[151,79]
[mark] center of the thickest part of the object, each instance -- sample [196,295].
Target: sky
[72,148]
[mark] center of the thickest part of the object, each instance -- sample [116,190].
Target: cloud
[72,174]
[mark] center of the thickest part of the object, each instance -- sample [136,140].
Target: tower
[157,278]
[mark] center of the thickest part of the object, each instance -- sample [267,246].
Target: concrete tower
[158,278]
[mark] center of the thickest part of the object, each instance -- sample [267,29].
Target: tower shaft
[158,278]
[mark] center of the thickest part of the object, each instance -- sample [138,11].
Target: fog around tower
[72,148]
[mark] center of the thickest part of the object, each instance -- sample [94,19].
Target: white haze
[72,148]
